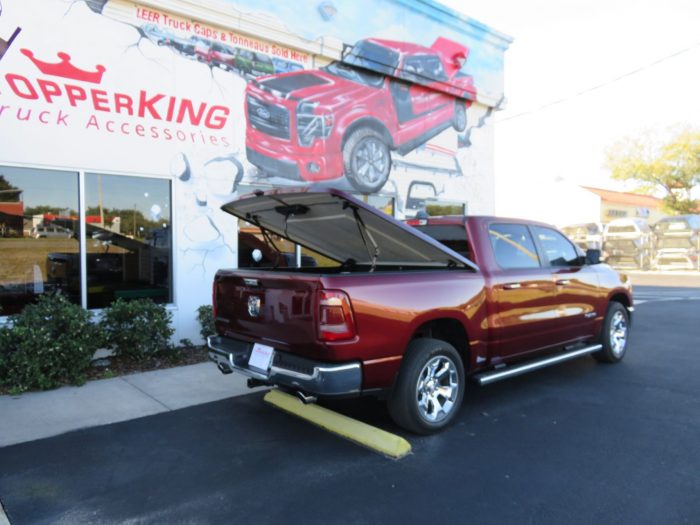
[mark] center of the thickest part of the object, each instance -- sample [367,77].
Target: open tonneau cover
[342,228]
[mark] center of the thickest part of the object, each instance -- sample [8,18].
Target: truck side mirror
[592,256]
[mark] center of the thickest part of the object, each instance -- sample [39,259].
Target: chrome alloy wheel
[437,389]
[618,333]
[371,161]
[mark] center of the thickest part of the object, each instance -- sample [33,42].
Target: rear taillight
[213,301]
[336,321]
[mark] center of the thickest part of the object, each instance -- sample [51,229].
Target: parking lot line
[361,433]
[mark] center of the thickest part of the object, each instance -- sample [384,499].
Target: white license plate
[261,357]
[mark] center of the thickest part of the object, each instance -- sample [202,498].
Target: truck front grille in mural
[348,117]
[271,119]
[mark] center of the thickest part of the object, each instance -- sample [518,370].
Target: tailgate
[275,308]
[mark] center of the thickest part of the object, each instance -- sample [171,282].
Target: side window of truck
[513,246]
[559,250]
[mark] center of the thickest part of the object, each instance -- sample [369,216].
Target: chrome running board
[486,378]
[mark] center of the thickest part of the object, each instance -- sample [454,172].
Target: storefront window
[440,208]
[273,251]
[129,239]
[39,236]
[381,202]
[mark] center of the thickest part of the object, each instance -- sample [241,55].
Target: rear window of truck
[451,235]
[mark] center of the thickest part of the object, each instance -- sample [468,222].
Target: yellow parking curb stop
[361,433]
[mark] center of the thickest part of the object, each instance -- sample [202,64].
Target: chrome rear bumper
[286,369]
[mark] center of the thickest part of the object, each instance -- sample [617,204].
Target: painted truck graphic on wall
[346,118]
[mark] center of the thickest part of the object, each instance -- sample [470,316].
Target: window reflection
[128,230]
[38,236]
[277,252]
[513,246]
[559,250]
[274,251]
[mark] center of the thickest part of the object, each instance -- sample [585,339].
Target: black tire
[614,348]
[414,385]
[366,160]
[459,122]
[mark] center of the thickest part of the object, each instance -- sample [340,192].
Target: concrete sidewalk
[37,415]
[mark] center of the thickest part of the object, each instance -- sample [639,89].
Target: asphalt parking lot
[581,442]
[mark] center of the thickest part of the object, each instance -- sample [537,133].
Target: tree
[42,209]
[8,192]
[655,164]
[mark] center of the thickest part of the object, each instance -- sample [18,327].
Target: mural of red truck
[346,118]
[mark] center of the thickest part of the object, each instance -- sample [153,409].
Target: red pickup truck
[345,118]
[409,312]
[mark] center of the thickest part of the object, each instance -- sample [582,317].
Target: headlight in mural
[311,125]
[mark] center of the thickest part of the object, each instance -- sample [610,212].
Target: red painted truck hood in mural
[313,86]
[342,228]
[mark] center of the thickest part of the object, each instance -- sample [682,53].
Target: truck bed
[387,307]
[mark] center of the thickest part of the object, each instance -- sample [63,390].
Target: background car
[254,64]
[156,33]
[628,243]
[285,66]
[200,48]
[222,56]
[51,231]
[677,243]
[586,235]
[182,45]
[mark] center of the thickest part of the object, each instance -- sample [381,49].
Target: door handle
[511,286]
[563,282]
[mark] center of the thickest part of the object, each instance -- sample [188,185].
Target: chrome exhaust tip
[305,398]
[223,368]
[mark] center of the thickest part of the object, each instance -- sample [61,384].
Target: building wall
[613,210]
[117,88]
[563,203]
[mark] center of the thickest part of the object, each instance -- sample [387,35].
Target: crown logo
[65,69]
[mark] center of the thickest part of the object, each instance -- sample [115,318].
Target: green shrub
[48,344]
[205,316]
[138,328]
[187,343]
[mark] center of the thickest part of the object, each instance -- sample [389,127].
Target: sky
[562,48]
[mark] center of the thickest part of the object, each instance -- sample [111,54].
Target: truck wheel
[459,122]
[615,334]
[430,387]
[367,160]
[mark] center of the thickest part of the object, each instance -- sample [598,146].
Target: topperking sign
[48,96]
[126,79]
